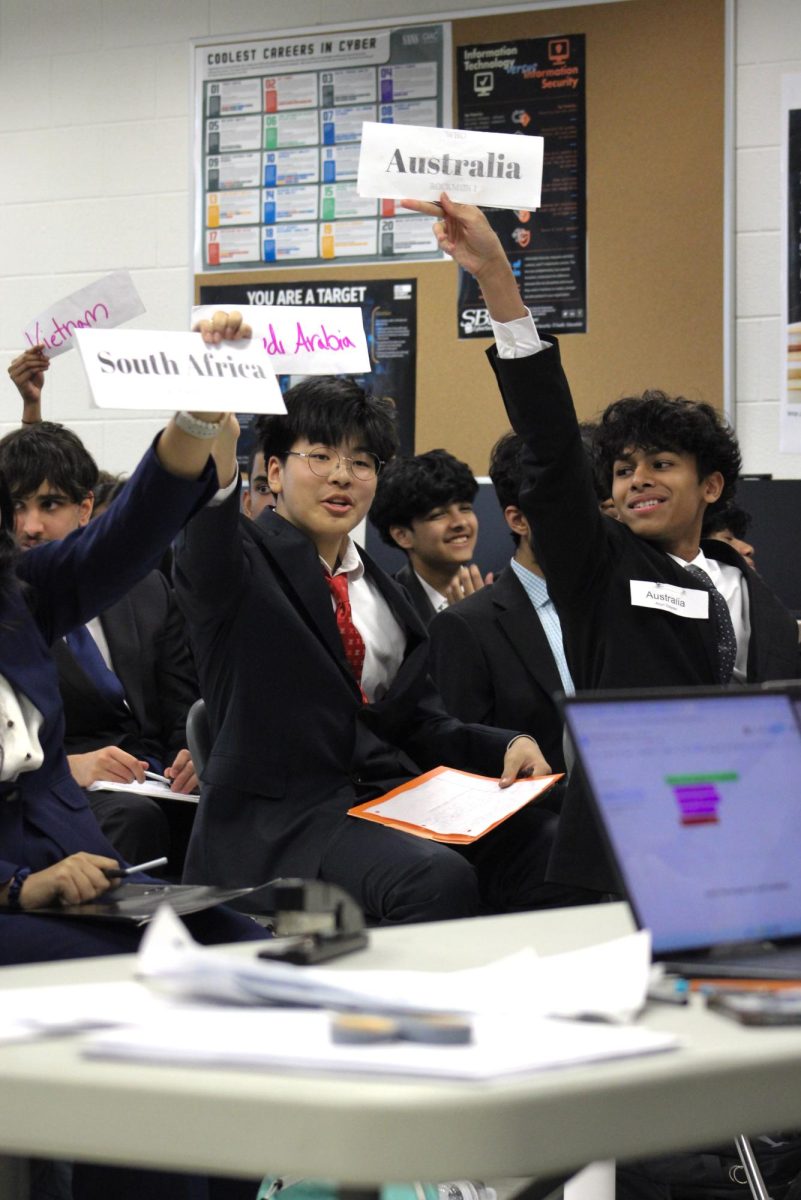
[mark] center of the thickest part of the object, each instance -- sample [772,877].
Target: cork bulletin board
[655,221]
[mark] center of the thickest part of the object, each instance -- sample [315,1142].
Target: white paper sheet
[151,787]
[72,1008]
[151,370]
[304,340]
[103,304]
[448,802]
[291,1040]
[608,981]
[499,169]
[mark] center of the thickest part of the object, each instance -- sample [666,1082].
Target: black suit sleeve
[176,679]
[569,533]
[209,567]
[460,669]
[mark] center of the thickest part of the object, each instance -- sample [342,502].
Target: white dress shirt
[384,640]
[20,722]
[437,599]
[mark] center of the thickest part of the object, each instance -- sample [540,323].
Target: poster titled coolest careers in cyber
[278,130]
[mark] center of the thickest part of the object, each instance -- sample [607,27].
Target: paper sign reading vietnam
[301,340]
[502,170]
[146,369]
[104,304]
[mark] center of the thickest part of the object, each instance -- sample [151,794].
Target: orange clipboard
[371,810]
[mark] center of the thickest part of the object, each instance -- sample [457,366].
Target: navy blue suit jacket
[44,815]
[150,654]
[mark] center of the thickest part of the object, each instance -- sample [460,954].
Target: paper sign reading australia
[152,370]
[301,340]
[105,303]
[502,170]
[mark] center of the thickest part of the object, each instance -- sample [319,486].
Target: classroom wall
[95,143]
[768,45]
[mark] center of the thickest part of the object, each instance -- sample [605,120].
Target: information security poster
[534,86]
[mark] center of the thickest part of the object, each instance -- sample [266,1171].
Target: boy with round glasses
[286,607]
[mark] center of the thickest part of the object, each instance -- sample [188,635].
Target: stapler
[312,921]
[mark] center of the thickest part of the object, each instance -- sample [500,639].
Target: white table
[725,1080]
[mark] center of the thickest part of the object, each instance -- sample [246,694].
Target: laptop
[699,795]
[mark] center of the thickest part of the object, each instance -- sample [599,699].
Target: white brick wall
[768,45]
[94,142]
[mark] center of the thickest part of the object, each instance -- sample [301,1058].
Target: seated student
[106,491]
[424,506]
[45,817]
[51,848]
[641,602]
[498,656]
[287,608]
[257,495]
[127,680]
[730,524]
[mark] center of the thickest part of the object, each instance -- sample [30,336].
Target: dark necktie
[352,641]
[727,641]
[87,654]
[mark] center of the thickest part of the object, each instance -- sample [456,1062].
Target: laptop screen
[701,800]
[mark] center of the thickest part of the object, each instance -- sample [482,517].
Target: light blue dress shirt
[537,592]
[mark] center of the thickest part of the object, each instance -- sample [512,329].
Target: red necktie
[352,640]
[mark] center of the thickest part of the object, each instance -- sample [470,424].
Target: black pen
[121,872]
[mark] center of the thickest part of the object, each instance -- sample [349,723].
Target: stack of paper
[300,1040]
[182,1014]
[607,981]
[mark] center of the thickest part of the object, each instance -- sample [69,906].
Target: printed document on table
[301,1040]
[607,981]
[445,805]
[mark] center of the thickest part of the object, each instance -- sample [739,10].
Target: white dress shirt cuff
[517,339]
[223,493]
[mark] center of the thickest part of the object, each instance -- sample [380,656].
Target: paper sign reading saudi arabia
[145,369]
[300,340]
[503,170]
[104,304]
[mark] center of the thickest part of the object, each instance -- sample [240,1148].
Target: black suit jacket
[492,663]
[589,561]
[293,746]
[416,593]
[147,641]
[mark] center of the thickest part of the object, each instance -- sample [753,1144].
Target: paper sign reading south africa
[109,301]
[304,340]
[502,170]
[152,370]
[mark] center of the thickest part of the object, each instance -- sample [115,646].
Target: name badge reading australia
[682,602]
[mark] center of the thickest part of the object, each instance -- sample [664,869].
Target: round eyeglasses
[321,462]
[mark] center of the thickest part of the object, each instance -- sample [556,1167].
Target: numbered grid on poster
[278,134]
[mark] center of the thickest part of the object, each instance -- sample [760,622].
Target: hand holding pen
[124,872]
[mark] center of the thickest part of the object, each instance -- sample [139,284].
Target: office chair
[198,735]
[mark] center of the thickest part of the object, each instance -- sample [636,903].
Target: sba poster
[534,86]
